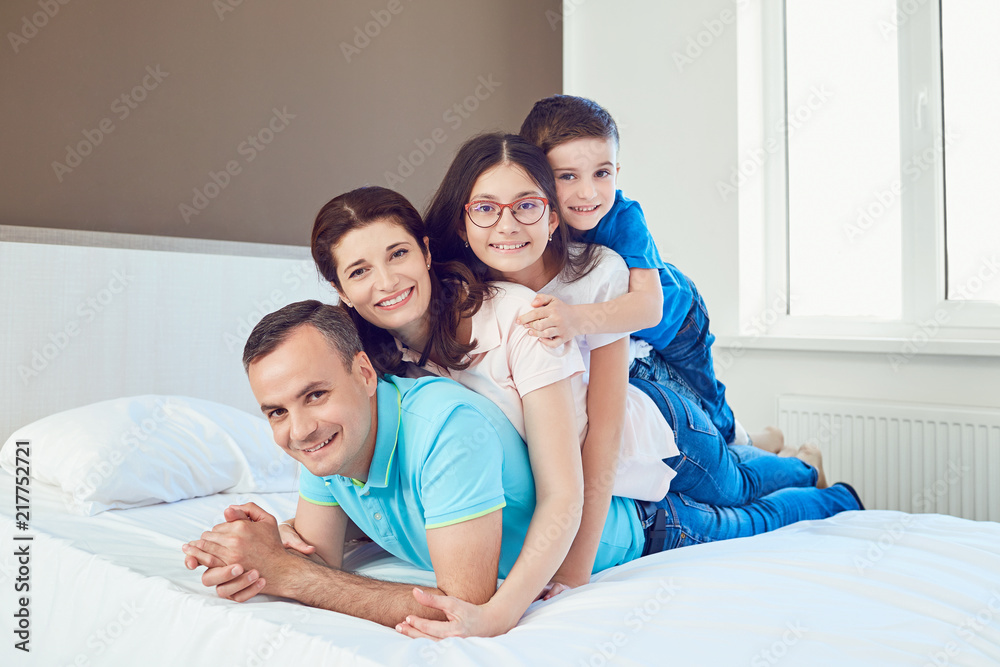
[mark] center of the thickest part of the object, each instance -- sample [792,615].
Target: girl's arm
[556,322]
[606,413]
[554,452]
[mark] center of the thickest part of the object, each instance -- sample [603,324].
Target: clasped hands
[238,552]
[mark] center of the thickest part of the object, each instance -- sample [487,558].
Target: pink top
[508,364]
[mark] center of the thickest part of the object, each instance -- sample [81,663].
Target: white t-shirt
[507,363]
[647,439]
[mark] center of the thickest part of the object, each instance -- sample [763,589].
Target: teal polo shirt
[443,455]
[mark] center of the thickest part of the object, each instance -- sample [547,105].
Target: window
[867,173]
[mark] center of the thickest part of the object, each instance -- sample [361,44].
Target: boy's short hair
[555,120]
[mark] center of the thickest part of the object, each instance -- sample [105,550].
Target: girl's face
[385,277]
[512,249]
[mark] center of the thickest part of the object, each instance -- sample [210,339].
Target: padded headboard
[89,316]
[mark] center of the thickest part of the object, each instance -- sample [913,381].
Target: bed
[107,582]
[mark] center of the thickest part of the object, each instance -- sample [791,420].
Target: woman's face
[383,275]
[512,249]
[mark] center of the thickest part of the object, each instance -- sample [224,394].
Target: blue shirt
[443,455]
[624,230]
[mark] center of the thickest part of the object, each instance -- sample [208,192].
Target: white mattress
[869,588]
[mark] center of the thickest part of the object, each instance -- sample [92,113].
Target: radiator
[904,456]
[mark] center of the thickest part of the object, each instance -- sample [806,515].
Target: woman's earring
[428,266]
[347,303]
[550,237]
[466,244]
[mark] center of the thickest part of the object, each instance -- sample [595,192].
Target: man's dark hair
[336,327]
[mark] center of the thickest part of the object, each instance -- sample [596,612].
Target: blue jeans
[710,471]
[689,356]
[691,522]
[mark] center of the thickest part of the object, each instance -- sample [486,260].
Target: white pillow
[130,452]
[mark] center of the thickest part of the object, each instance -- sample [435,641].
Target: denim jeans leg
[710,471]
[690,355]
[692,522]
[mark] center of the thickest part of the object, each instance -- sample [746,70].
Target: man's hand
[237,551]
[552,320]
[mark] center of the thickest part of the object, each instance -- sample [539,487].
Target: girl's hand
[556,586]
[551,320]
[464,619]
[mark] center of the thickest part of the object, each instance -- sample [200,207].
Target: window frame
[930,323]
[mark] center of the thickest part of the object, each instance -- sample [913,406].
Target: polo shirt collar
[390,402]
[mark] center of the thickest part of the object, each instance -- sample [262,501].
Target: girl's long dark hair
[456,293]
[446,214]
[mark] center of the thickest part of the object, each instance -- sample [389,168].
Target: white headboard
[89,316]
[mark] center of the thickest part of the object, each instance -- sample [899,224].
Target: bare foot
[810,454]
[770,440]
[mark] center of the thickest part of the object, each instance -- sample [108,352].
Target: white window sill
[902,348]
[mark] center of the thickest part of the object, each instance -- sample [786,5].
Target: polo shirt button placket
[378,516]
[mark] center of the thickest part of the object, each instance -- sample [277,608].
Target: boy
[662,306]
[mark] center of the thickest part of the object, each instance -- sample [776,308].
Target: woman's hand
[464,619]
[291,539]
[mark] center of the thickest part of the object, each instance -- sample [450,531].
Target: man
[431,471]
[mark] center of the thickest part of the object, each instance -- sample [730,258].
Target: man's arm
[465,557]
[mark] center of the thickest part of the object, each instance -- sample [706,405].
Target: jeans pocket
[697,419]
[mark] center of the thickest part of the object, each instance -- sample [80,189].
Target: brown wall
[221,76]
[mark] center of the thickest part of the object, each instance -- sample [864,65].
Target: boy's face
[586,172]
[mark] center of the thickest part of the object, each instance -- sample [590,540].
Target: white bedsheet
[870,588]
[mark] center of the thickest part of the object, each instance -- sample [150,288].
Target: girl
[485,215]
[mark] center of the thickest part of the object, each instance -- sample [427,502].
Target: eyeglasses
[527,211]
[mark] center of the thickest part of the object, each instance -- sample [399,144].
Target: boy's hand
[552,320]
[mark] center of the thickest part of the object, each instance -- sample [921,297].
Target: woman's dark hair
[446,214]
[455,291]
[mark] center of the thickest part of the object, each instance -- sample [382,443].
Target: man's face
[321,412]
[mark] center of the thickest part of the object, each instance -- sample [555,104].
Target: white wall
[676,103]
